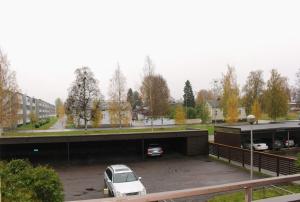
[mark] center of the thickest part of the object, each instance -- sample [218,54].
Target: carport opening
[274,139]
[169,145]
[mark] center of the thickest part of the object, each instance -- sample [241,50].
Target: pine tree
[188,96]
[130,98]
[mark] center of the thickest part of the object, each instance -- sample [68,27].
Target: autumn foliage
[179,115]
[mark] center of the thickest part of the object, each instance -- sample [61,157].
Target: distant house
[216,112]
[294,106]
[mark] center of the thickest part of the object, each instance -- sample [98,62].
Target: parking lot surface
[158,174]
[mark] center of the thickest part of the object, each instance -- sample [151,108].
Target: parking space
[170,172]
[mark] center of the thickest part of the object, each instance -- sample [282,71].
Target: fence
[274,163]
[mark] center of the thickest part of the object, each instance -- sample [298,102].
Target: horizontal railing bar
[205,190]
[255,152]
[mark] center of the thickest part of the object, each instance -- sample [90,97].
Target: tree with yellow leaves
[232,108]
[60,108]
[119,108]
[256,110]
[230,96]
[9,97]
[276,96]
[96,113]
[179,115]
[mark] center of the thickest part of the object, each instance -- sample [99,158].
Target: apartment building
[28,105]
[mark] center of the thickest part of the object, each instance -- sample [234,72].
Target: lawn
[112,131]
[259,193]
[289,116]
[30,126]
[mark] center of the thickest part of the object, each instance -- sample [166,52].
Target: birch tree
[276,95]
[9,96]
[83,91]
[253,89]
[119,108]
[230,95]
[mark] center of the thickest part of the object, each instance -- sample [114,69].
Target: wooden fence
[278,164]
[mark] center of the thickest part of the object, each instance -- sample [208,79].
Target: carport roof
[269,126]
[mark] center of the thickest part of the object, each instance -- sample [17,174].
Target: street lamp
[251,119]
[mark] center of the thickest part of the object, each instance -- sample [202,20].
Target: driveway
[158,174]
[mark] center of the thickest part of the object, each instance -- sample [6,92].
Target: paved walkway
[60,124]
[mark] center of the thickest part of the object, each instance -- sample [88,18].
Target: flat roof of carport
[269,126]
[4,140]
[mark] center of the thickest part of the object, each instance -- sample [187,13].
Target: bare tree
[296,90]
[147,86]
[119,108]
[9,96]
[155,91]
[83,91]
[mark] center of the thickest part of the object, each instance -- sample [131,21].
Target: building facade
[29,105]
[216,112]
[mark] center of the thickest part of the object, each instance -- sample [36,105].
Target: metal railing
[247,186]
[278,164]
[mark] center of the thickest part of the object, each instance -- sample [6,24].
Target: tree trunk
[85,125]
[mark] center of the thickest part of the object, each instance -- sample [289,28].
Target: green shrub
[191,113]
[23,183]
[37,125]
[46,185]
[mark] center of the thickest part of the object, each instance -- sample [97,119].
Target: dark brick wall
[231,139]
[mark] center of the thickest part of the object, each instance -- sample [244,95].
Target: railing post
[229,154]
[248,194]
[277,166]
[259,162]
[218,152]
[243,158]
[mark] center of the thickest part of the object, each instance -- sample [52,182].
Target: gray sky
[47,40]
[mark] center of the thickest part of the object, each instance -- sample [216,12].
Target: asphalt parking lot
[158,174]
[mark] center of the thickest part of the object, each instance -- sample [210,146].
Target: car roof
[120,168]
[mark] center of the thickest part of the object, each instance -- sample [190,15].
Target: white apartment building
[28,105]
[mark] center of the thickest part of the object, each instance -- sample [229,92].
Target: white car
[121,181]
[258,146]
[154,150]
[289,143]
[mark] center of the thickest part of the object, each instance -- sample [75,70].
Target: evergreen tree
[130,97]
[137,100]
[188,96]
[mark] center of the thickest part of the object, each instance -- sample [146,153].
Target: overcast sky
[47,40]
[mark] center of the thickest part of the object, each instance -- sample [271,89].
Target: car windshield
[153,145]
[124,177]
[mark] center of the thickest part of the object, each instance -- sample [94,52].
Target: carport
[236,135]
[102,146]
